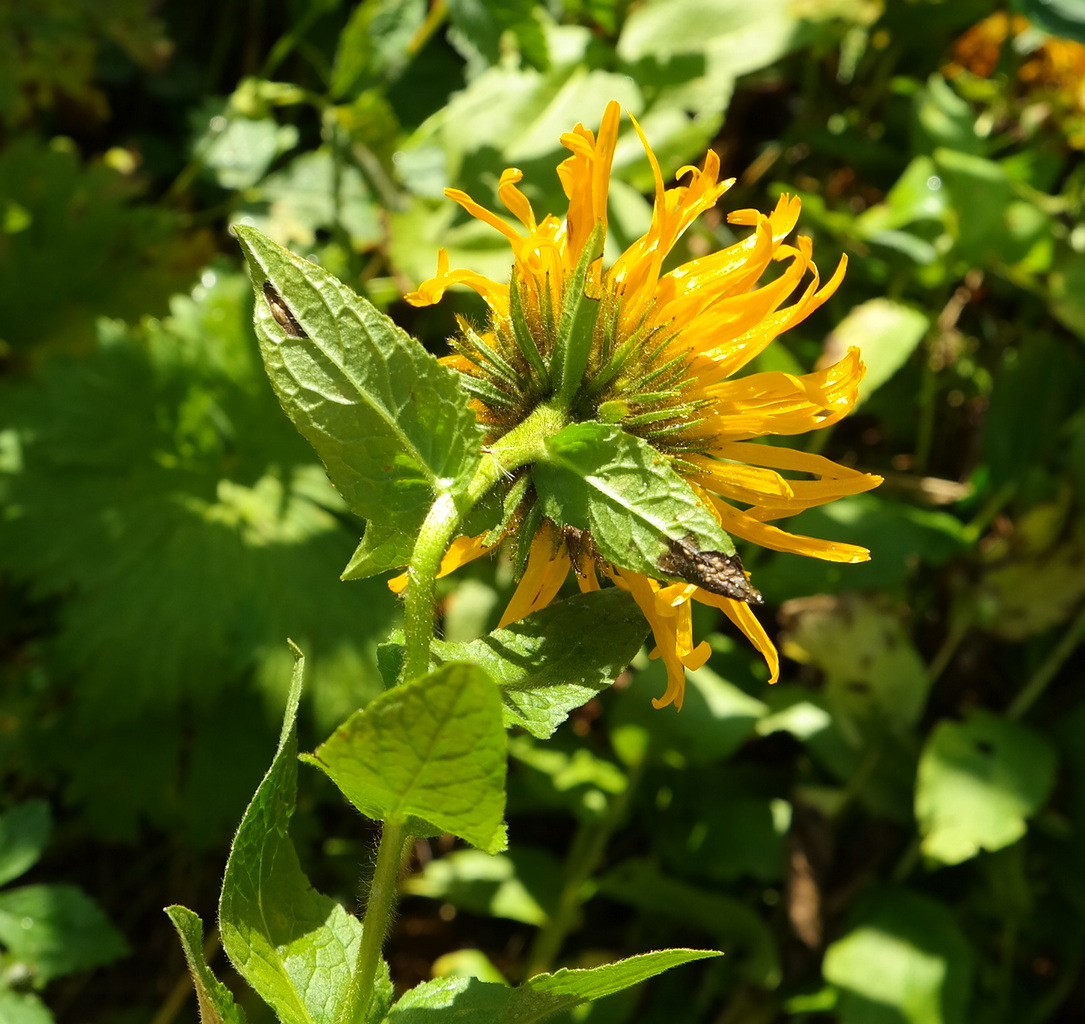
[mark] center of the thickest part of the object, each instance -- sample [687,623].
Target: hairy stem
[524,444]
[378,912]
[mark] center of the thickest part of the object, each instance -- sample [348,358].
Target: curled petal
[742,616]
[781,403]
[547,566]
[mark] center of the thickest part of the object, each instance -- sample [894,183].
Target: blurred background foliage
[893,834]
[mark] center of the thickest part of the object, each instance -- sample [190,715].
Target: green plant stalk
[378,912]
[1042,677]
[523,444]
[586,853]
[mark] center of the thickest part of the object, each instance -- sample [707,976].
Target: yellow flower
[664,352]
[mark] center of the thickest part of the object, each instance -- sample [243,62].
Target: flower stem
[525,443]
[378,911]
[1035,687]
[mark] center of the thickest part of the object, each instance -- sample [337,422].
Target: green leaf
[430,754]
[119,257]
[873,672]
[1064,18]
[214,999]
[885,332]
[238,149]
[376,45]
[576,329]
[556,659]
[23,1008]
[904,960]
[57,929]
[157,491]
[642,515]
[381,548]
[479,29]
[978,782]
[294,946]
[316,191]
[470,1001]
[521,885]
[24,831]
[390,423]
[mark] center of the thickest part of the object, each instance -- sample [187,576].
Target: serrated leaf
[57,929]
[24,831]
[294,946]
[390,423]
[159,493]
[978,783]
[215,1000]
[430,753]
[471,1001]
[642,515]
[556,659]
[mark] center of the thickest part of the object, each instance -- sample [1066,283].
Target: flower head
[659,360]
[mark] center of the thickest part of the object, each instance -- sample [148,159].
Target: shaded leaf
[739,930]
[556,659]
[721,718]
[24,831]
[57,929]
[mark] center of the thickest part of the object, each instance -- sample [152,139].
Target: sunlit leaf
[390,423]
[522,885]
[429,754]
[904,959]
[885,332]
[979,781]
[214,999]
[642,515]
[475,1002]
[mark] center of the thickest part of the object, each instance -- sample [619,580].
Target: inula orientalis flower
[662,363]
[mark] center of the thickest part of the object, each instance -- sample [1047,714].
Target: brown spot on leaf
[712,570]
[281,312]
